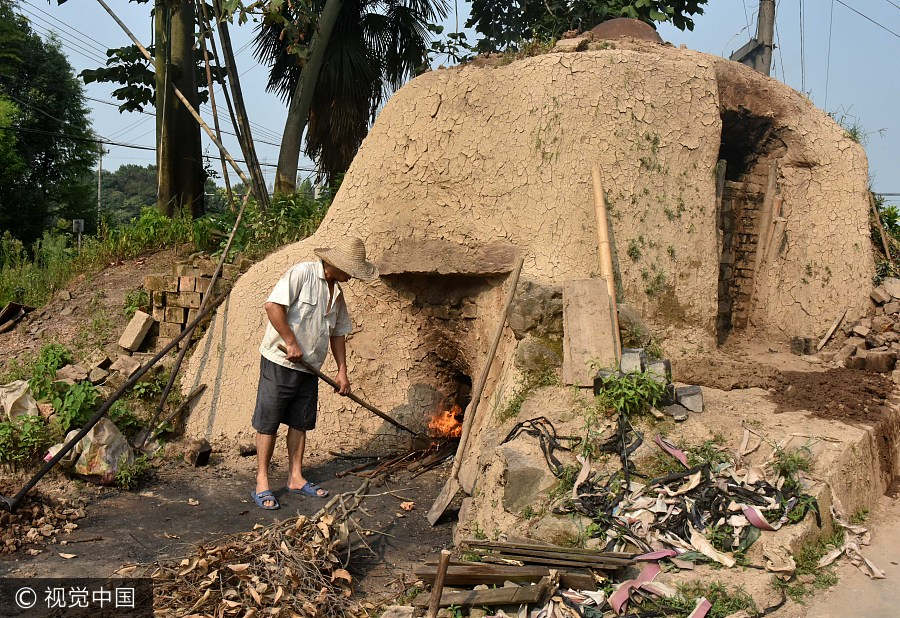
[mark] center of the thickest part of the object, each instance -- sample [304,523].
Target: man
[306,311]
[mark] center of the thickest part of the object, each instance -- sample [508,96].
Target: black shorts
[285,396]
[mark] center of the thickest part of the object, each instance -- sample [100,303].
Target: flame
[446,423]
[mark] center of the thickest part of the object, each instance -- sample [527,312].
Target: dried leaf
[193,502]
[239,568]
[341,574]
[67,556]
[407,506]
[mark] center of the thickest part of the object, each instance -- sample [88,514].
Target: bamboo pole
[180,95]
[606,265]
[884,242]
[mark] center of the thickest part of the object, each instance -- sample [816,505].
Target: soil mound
[468,157]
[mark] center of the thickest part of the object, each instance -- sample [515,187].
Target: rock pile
[39,521]
[872,342]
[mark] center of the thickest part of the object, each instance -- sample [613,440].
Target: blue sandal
[262,497]
[310,489]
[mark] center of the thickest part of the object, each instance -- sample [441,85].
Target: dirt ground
[158,522]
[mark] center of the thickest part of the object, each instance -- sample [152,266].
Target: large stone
[676,411]
[197,452]
[891,285]
[537,309]
[882,361]
[137,329]
[633,329]
[126,365]
[855,362]
[534,355]
[97,358]
[565,531]
[880,296]
[398,611]
[527,475]
[892,307]
[634,360]
[858,343]
[881,323]
[691,397]
[571,45]
[660,370]
[76,373]
[97,375]
[861,330]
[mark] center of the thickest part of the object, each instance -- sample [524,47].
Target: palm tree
[374,46]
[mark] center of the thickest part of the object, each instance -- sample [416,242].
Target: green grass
[725,600]
[790,462]
[709,452]
[24,439]
[131,476]
[809,576]
[135,300]
[32,274]
[631,394]
[529,382]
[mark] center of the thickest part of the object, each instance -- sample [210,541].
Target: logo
[26,597]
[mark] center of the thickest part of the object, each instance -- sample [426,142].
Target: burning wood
[446,423]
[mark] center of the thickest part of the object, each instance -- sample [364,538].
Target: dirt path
[856,594]
[158,523]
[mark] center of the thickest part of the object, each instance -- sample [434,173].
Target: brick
[169,330]
[185,270]
[206,268]
[691,397]
[136,330]
[892,307]
[891,285]
[882,361]
[198,452]
[827,357]
[159,314]
[803,345]
[97,375]
[660,370]
[126,365]
[874,340]
[861,330]
[676,411]
[161,283]
[202,284]
[230,271]
[97,358]
[191,300]
[187,284]
[76,373]
[158,299]
[175,315]
[855,362]
[880,296]
[857,342]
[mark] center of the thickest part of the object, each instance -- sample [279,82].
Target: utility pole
[99,174]
[757,53]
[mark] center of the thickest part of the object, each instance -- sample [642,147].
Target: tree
[125,191]
[504,24]
[374,47]
[178,143]
[47,148]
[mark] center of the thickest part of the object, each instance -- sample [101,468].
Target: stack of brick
[176,298]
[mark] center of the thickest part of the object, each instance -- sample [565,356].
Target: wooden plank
[547,547]
[561,562]
[831,330]
[474,574]
[587,330]
[512,595]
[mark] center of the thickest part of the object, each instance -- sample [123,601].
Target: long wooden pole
[606,264]
[180,96]
[884,242]
[452,485]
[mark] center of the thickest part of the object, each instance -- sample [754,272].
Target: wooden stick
[438,586]
[606,265]
[884,242]
[512,595]
[452,485]
[368,406]
[831,330]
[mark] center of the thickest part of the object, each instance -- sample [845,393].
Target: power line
[67,26]
[37,23]
[880,25]
[893,4]
[47,33]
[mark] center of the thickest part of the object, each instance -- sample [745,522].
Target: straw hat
[350,256]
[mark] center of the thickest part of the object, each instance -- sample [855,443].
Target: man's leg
[265,446]
[296,440]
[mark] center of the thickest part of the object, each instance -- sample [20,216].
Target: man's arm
[339,349]
[278,317]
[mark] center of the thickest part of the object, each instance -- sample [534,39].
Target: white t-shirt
[304,292]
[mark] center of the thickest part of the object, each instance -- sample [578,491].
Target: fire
[446,424]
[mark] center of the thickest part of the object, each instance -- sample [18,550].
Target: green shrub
[75,406]
[43,369]
[631,394]
[134,300]
[23,439]
[124,418]
[132,476]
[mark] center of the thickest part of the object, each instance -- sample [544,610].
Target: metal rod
[12,503]
[350,396]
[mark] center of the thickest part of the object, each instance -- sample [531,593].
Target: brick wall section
[176,297]
[741,203]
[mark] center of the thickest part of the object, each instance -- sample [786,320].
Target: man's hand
[343,383]
[293,353]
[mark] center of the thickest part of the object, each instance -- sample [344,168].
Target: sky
[853,81]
